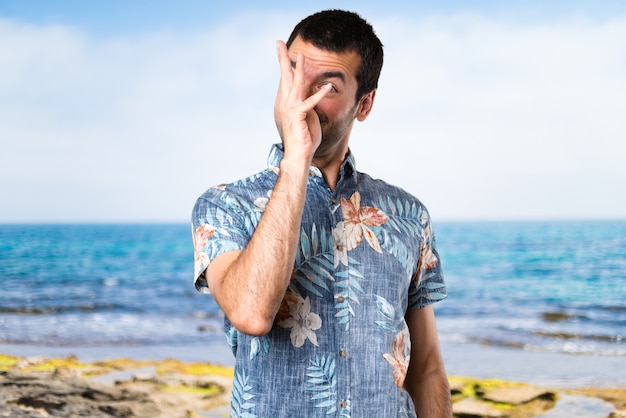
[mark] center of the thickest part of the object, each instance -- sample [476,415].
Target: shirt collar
[348,168]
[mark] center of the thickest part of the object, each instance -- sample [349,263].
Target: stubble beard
[334,134]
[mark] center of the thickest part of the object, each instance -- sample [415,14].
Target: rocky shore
[66,387]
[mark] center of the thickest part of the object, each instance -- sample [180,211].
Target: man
[326,276]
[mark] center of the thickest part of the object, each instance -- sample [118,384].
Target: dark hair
[339,31]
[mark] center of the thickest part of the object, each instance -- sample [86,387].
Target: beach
[557,370]
[194,380]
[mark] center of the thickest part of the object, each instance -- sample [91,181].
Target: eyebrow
[333,74]
[327,74]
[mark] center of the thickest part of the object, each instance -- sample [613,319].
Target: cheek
[330,108]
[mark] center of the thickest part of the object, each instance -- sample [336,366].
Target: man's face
[338,109]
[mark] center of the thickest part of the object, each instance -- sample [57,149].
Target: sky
[125,111]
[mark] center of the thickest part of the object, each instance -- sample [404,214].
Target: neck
[330,165]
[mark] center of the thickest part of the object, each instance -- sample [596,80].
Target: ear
[365,106]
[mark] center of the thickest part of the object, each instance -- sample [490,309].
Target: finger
[297,87]
[286,71]
[314,99]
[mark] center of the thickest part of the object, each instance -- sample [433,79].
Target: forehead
[347,62]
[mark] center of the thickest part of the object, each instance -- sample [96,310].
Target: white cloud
[508,121]
[479,117]
[112,129]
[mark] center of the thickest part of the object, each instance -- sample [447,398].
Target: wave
[109,327]
[53,310]
[83,342]
[90,308]
[553,345]
[612,316]
[578,336]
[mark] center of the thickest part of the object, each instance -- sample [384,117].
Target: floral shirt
[339,345]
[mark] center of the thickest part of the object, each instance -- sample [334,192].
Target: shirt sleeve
[217,226]
[427,285]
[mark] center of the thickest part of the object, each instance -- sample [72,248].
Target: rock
[557,316]
[456,386]
[144,377]
[42,394]
[517,395]
[618,414]
[472,408]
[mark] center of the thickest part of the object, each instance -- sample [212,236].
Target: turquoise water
[541,286]
[533,286]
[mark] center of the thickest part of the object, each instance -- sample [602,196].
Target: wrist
[295,167]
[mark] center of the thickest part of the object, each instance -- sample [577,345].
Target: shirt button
[342,353]
[343,404]
[340,299]
[333,201]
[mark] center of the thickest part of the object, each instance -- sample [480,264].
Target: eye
[333,89]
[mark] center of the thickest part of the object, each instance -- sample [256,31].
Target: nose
[309,85]
[311,80]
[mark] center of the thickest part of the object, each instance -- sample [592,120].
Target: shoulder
[389,196]
[248,186]
[244,195]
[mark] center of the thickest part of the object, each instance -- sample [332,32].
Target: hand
[297,122]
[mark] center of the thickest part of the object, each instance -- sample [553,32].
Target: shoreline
[558,370]
[33,387]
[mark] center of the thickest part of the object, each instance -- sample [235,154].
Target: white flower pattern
[302,322]
[339,244]
[261,202]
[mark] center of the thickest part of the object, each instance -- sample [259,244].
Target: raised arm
[426,380]
[249,285]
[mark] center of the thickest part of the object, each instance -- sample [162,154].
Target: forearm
[426,378]
[253,286]
[431,395]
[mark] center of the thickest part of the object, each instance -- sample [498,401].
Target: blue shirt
[339,345]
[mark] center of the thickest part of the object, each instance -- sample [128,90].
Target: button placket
[342,332]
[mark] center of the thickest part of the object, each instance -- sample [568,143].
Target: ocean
[527,287]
